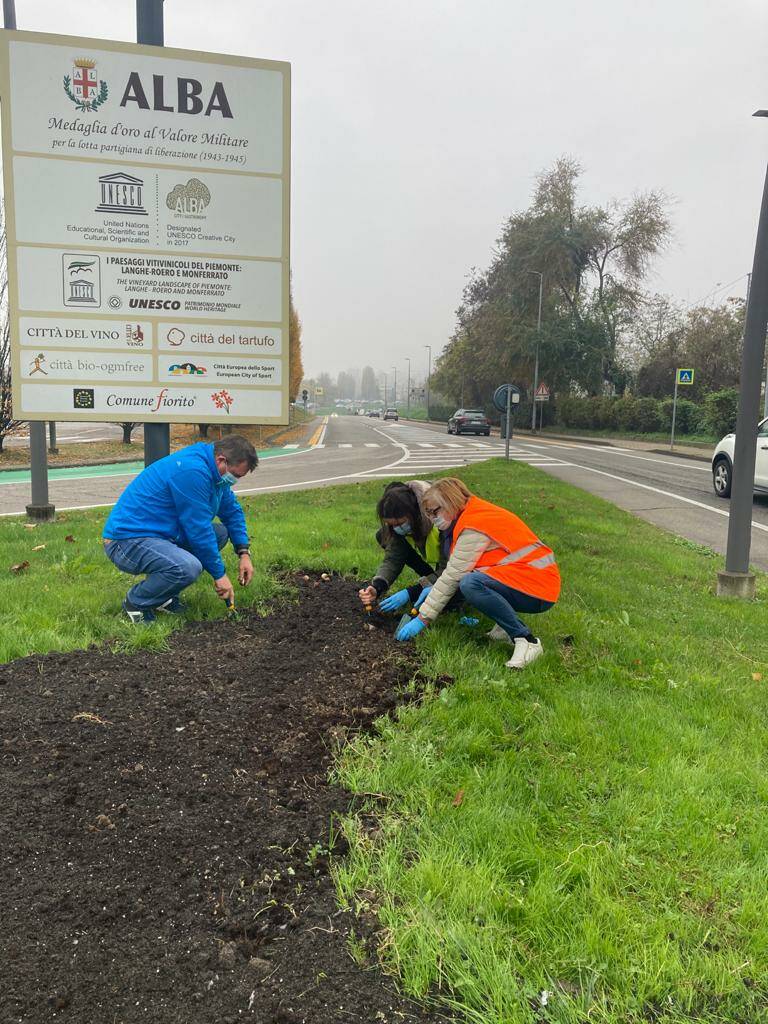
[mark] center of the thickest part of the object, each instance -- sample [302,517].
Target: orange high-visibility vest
[521,560]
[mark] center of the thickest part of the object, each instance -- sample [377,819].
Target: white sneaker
[526,651]
[497,633]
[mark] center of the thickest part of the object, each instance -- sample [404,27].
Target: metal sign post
[505,398]
[39,507]
[682,376]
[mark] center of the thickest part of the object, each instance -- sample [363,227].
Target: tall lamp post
[540,276]
[385,392]
[394,387]
[429,374]
[737,580]
[408,393]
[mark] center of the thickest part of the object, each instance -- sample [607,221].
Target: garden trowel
[406,618]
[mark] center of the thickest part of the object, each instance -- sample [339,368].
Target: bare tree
[128,429]
[7,423]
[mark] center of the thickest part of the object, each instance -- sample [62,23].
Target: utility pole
[39,507]
[540,276]
[737,580]
[408,396]
[429,374]
[394,387]
[149,29]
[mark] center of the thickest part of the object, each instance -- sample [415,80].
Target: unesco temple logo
[81,276]
[121,193]
[83,86]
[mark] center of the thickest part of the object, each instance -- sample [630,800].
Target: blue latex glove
[422,596]
[410,629]
[395,601]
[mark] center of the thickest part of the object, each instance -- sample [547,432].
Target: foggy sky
[419,126]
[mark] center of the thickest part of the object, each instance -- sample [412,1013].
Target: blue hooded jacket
[177,498]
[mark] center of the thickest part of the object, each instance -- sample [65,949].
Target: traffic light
[304,396]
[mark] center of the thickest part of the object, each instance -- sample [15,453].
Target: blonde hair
[451,493]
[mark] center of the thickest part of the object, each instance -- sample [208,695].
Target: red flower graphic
[222,399]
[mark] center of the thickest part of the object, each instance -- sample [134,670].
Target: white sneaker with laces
[497,633]
[526,651]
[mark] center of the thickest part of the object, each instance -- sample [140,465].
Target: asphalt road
[672,492]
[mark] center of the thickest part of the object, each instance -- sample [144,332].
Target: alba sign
[147,209]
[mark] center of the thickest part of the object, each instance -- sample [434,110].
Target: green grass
[593,828]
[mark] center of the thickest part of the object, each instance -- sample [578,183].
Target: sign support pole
[674,412]
[736,579]
[509,407]
[149,29]
[40,507]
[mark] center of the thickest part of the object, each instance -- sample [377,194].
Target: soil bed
[166,818]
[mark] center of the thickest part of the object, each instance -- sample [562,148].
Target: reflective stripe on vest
[515,556]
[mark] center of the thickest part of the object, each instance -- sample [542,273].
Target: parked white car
[722,463]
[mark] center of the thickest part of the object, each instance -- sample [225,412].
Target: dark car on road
[469,421]
[375,413]
[391,414]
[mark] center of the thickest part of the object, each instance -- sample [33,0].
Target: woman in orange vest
[497,562]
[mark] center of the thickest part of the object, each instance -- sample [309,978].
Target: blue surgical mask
[441,523]
[403,529]
[229,478]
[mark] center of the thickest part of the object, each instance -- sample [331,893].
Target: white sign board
[147,209]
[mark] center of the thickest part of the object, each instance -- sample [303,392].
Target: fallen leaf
[757,676]
[19,567]
[458,798]
[39,547]
[30,526]
[69,538]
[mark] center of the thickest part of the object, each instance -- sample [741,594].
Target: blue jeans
[501,603]
[169,567]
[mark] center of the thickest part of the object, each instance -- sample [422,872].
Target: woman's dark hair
[400,502]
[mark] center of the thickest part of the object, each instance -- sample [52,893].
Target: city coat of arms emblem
[83,86]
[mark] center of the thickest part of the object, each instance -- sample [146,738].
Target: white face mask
[403,529]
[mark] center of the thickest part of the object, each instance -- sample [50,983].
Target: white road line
[424,444]
[658,490]
[290,446]
[618,451]
[372,444]
[345,446]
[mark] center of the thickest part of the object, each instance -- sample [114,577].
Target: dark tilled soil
[165,820]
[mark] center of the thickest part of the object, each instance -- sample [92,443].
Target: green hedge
[716,416]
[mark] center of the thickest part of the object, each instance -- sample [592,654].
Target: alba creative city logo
[83,86]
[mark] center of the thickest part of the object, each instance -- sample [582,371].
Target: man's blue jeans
[169,568]
[501,603]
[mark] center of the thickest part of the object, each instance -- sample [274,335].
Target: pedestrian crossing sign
[685,376]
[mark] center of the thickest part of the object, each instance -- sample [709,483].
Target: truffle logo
[189,200]
[89,93]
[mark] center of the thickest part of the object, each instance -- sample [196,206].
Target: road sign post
[541,395]
[682,376]
[506,398]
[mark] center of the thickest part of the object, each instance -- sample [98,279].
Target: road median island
[583,840]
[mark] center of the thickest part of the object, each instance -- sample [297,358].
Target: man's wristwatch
[243,550]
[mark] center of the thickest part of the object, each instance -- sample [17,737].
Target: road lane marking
[618,451]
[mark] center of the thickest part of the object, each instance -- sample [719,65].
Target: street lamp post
[429,374]
[737,580]
[540,276]
[408,394]
[394,387]
[385,392]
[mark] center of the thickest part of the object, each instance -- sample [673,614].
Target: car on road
[375,413]
[469,421]
[391,414]
[722,463]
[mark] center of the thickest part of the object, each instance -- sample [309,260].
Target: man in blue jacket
[162,525]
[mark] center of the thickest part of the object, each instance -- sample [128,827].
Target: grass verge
[583,841]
